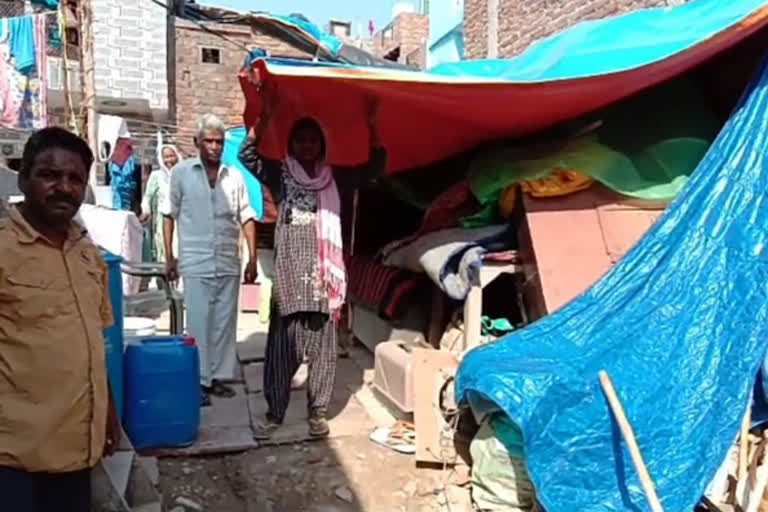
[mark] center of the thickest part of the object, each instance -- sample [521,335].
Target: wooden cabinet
[568,243]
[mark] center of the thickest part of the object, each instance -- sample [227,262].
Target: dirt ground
[347,473]
[342,475]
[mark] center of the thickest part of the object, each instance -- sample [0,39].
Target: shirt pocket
[224,200]
[91,287]
[30,296]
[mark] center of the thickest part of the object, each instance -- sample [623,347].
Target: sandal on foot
[221,390]
[264,431]
[205,397]
[318,427]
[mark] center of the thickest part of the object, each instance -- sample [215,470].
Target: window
[210,55]
[341,29]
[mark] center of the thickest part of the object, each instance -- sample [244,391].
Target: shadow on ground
[227,471]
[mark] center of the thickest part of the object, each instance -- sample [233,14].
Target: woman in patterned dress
[309,285]
[155,193]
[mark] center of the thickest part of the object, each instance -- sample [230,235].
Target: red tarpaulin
[425,117]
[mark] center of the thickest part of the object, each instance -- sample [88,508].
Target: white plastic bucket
[135,328]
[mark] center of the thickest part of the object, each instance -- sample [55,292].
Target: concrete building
[446,31]
[503,28]
[131,57]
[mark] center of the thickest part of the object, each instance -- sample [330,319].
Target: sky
[359,12]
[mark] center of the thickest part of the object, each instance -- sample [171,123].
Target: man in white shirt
[209,202]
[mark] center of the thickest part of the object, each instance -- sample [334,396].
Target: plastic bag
[500,480]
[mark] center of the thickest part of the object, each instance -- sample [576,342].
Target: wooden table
[473,304]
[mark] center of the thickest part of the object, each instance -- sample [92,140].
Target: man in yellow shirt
[56,415]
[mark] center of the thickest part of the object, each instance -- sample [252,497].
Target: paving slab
[252,347]
[214,441]
[347,417]
[152,469]
[227,412]
[254,377]
[225,427]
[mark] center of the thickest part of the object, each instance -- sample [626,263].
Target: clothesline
[33,14]
[24,76]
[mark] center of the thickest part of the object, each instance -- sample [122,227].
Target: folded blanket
[378,287]
[444,213]
[452,257]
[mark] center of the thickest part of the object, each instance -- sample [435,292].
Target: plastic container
[162,392]
[137,328]
[113,336]
[393,374]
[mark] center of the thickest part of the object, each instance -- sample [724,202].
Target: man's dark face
[54,187]
[211,144]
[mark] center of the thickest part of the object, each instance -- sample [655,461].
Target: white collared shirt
[208,219]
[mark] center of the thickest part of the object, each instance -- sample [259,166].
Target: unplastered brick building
[207,61]
[503,28]
[404,40]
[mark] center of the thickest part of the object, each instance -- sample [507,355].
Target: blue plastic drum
[113,336]
[162,392]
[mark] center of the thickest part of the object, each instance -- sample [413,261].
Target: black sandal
[205,398]
[221,390]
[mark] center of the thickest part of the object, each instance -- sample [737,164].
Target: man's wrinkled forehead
[212,135]
[59,159]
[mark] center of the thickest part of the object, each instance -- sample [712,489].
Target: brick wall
[130,50]
[213,88]
[522,22]
[409,33]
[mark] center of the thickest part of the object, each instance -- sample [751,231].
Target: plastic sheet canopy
[425,117]
[681,324]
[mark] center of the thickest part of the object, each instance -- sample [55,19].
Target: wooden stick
[629,438]
[352,236]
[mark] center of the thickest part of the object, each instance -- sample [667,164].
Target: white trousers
[212,304]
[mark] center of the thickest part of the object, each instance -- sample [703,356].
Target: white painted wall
[130,49]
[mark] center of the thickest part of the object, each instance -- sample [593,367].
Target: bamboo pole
[629,437]
[87,66]
[69,109]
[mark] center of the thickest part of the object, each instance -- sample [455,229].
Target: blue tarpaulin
[298,32]
[680,323]
[611,45]
[232,141]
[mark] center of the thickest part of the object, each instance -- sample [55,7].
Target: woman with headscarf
[156,191]
[309,284]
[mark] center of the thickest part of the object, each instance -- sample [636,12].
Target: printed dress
[301,328]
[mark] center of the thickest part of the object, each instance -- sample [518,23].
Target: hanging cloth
[48,4]
[21,39]
[23,96]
